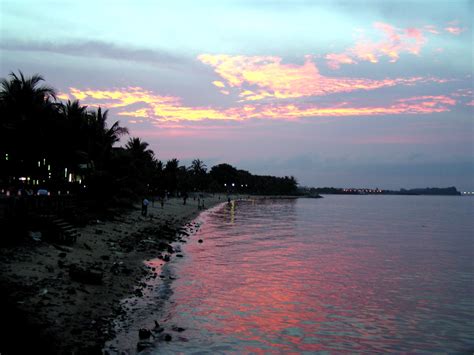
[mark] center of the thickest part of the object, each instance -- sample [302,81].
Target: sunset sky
[336,93]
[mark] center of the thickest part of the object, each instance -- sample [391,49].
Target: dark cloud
[94,48]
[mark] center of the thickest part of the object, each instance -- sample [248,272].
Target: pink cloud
[335,60]
[431,29]
[160,108]
[454,30]
[463,93]
[267,77]
[393,43]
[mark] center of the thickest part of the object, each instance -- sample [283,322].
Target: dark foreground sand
[45,309]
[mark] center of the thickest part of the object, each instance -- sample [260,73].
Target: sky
[335,93]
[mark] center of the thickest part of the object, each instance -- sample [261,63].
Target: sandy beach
[51,304]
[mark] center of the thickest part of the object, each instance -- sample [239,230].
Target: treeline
[68,148]
[448,191]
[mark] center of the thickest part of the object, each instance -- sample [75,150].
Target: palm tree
[199,177]
[101,137]
[22,99]
[139,149]
[198,167]
[75,123]
[27,113]
[22,93]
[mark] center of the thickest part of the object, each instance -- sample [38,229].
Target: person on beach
[145,204]
[185,197]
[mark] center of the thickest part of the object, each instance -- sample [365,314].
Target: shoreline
[60,314]
[146,312]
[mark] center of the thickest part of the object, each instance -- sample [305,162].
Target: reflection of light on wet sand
[232,212]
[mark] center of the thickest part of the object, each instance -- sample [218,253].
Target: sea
[341,274]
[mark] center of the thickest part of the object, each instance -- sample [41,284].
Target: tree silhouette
[171,175]
[27,120]
[69,146]
[139,149]
[101,137]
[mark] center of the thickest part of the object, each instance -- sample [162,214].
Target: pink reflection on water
[286,287]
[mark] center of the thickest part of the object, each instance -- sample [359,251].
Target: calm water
[340,274]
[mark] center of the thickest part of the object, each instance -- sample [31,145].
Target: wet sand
[47,307]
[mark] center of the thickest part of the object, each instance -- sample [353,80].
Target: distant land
[438,191]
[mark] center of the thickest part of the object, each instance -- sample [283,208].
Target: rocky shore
[62,299]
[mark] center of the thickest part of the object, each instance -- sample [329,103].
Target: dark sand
[44,310]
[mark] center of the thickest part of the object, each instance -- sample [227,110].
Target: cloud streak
[158,108]
[93,48]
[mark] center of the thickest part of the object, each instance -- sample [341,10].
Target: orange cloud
[166,108]
[415,105]
[267,77]
[160,108]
